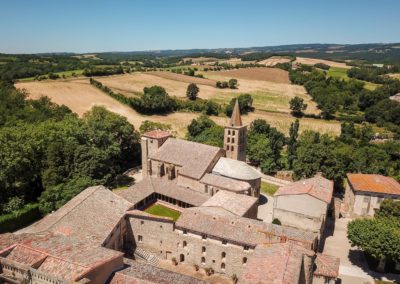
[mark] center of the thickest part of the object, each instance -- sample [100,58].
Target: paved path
[265,208]
[353,267]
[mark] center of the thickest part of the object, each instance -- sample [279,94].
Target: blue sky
[32,26]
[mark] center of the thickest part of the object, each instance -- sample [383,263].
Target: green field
[67,74]
[342,74]
[268,189]
[160,210]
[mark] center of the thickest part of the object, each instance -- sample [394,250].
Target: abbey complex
[105,237]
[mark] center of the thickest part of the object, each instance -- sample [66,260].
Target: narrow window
[229,140]
[203,260]
[184,244]
[244,260]
[203,249]
[233,140]
[223,254]
[204,237]
[246,248]
[232,148]
[224,242]
[142,222]
[140,238]
[223,266]
[184,232]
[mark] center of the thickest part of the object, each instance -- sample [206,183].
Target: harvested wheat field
[313,61]
[268,96]
[272,61]
[258,73]
[184,78]
[80,97]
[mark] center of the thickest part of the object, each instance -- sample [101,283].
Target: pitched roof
[59,256]
[76,218]
[238,204]
[277,263]
[194,158]
[318,187]
[235,169]
[236,119]
[157,133]
[225,183]
[327,266]
[170,188]
[141,273]
[223,224]
[374,183]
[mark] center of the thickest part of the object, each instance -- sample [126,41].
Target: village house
[365,192]
[304,204]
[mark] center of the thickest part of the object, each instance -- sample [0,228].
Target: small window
[223,266]
[223,254]
[233,132]
[203,260]
[160,226]
[184,232]
[224,242]
[244,260]
[246,247]
[233,140]
[184,244]
[140,238]
[203,249]
[229,140]
[229,132]
[232,148]
[142,222]
[204,237]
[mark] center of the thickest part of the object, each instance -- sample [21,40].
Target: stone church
[104,237]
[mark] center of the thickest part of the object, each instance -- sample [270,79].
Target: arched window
[244,260]
[232,148]
[184,244]
[229,140]
[222,266]
[203,260]
[223,254]
[181,258]
[203,249]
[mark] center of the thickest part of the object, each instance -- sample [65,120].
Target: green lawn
[161,210]
[268,189]
[342,74]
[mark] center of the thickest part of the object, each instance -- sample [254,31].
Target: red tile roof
[374,183]
[327,266]
[318,187]
[156,134]
[277,263]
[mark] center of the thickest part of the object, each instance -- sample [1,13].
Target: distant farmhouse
[103,237]
[365,193]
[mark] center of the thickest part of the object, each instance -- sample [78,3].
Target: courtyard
[159,209]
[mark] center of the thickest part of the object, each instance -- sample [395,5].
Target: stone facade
[235,136]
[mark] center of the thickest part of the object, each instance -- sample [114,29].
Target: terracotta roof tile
[194,158]
[223,224]
[156,134]
[374,183]
[170,188]
[327,265]
[225,183]
[238,204]
[318,187]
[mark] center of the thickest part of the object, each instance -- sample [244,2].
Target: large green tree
[192,91]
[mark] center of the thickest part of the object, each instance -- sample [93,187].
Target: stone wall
[164,240]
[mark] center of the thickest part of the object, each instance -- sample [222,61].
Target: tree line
[49,154]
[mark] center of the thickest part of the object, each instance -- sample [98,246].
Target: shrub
[19,218]
[276,221]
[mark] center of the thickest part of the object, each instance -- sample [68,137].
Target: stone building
[103,237]
[98,236]
[304,204]
[365,192]
[202,168]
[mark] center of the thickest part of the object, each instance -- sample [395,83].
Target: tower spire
[236,119]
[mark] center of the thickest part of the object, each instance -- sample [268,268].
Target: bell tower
[235,136]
